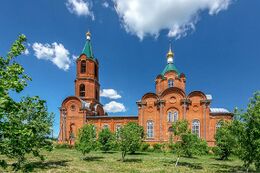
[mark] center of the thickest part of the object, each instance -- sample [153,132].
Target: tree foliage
[225,140]
[12,77]
[26,130]
[106,139]
[130,138]
[86,140]
[24,125]
[248,133]
[187,143]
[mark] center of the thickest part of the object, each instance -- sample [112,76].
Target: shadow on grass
[186,164]
[108,152]
[192,157]
[133,160]
[229,168]
[45,165]
[139,153]
[191,165]
[92,158]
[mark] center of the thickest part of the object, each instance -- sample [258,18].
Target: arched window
[170,83]
[196,127]
[73,107]
[172,116]
[82,90]
[83,66]
[150,129]
[218,125]
[175,116]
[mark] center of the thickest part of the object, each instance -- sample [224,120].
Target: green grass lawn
[70,160]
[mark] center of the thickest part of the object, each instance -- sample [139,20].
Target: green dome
[170,67]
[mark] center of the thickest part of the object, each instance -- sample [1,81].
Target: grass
[70,160]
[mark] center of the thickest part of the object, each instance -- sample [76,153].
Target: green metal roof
[88,50]
[170,67]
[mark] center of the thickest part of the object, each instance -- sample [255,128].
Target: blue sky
[216,45]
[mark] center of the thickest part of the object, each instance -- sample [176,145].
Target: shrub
[106,139]
[157,147]
[144,146]
[86,140]
[188,143]
[225,141]
[130,138]
[150,149]
[202,147]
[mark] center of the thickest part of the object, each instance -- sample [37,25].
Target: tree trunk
[123,155]
[177,161]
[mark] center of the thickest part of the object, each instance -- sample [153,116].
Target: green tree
[25,125]
[86,140]
[12,77]
[249,133]
[106,139]
[187,143]
[225,140]
[130,138]
[26,130]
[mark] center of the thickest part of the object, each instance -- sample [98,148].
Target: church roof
[87,50]
[219,111]
[170,67]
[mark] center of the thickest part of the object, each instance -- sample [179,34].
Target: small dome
[88,35]
[170,54]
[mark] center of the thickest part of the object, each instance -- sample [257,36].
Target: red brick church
[156,111]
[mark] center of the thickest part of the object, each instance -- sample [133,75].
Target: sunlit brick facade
[156,111]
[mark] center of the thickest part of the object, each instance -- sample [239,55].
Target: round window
[73,107]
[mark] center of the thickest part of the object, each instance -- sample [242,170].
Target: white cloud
[105,4]
[74,57]
[54,52]
[80,7]
[114,107]
[26,52]
[146,17]
[110,93]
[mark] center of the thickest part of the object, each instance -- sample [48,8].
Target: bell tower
[87,82]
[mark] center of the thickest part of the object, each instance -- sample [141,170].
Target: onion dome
[170,66]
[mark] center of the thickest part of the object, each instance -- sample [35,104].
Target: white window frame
[170,116]
[170,83]
[175,116]
[150,129]
[218,125]
[196,127]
